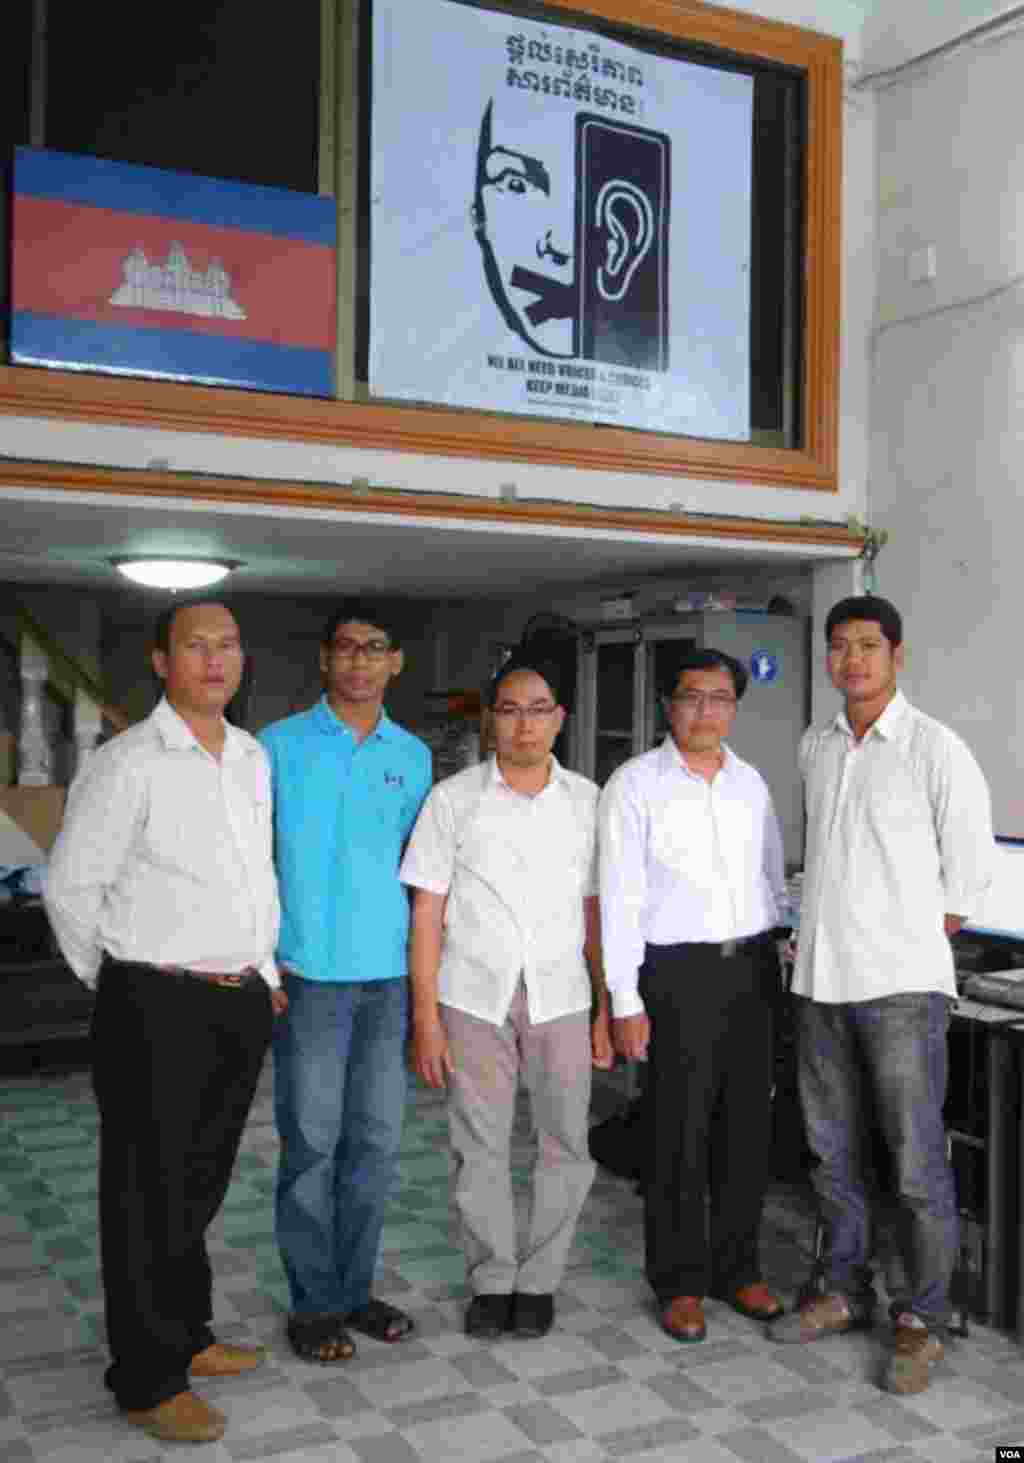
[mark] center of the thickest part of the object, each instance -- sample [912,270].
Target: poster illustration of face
[597,289]
[601,269]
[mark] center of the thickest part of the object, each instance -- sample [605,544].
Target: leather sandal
[683,1318]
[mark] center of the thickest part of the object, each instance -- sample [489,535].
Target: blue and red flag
[150,273]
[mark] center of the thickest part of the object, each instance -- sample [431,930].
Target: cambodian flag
[151,273]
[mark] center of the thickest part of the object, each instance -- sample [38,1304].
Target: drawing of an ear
[624,217]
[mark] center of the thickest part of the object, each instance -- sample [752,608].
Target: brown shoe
[914,1352]
[756,1301]
[683,1318]
[185,1418]
[221,1360]
[823,1315]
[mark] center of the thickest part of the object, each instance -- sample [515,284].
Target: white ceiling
[68,539]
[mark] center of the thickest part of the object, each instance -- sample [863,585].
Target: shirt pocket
[489,855]
[575,860]
[680,839]
[387,804]
[172,837]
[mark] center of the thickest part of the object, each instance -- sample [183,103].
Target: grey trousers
[553,1060]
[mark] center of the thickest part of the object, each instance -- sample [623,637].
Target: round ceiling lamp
[165,572]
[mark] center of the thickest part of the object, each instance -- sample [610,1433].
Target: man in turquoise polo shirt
[348,783]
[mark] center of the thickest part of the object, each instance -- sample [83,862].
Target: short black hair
[162,625]
[522,660]
[360,611]
[708,660]
[867,607]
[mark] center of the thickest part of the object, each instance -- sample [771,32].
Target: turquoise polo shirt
[342,813]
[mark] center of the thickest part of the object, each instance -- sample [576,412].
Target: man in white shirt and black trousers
[899,852]
[505,964]
[161,887]
[692,875]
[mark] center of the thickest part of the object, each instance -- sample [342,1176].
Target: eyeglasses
[351,649]
[524,713]
[717,701]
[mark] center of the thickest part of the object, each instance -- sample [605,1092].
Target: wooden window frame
[123,401]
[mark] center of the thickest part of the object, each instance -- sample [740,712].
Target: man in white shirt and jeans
[899,851]
[505,966]
[161,892]
[692,875]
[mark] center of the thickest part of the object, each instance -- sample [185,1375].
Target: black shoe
[489,1316]
[533,1315]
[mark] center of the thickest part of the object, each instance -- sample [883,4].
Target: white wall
[894,31]
[948,390]
[842,18]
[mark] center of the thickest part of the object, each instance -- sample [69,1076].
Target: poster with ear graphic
[560,223]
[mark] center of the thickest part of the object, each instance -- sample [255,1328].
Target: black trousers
[709,1115]
[176,1061]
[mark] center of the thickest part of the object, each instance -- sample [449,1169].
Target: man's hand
[601,1053]
[631,1035]
[429,1057]
[953,924]
[279,1000]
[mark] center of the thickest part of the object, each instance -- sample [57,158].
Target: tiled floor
[606,1384]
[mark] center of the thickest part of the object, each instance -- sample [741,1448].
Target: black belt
[231,981]
[727,948]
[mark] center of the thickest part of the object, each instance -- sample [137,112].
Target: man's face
[527,720]
[701,710]
[862,664]
[524,222]
[358,664]
[202,666]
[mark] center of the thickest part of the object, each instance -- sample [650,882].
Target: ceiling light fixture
[158,571]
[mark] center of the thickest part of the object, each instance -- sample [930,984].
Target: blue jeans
[339,1095]
[887,1058]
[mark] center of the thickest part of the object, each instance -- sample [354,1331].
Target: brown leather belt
[236,980]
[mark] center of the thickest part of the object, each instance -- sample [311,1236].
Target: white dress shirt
[683,859]
[899,834]
[516,870]
[165,855]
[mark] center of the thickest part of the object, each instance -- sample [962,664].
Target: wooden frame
[230,492]
[110,400]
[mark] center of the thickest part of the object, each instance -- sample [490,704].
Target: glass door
[613,727]
[611,700]
[621,676]
[663,647]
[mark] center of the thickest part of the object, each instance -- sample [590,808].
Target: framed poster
[565,230]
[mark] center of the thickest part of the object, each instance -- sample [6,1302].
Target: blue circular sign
[764,666]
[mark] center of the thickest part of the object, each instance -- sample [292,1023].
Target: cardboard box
[39,811]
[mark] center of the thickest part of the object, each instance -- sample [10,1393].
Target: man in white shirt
[161,893]
[692,875]
[506,984]
[899,851]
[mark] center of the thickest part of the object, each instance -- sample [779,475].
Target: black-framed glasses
[352,649]
[537,712]
[719,701]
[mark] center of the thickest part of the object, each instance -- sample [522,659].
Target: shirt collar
[495,779]
[888,724]
[331,723]
[178,736]
[672,760]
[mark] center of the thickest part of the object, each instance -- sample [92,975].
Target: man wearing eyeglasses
[348,784]
[692,878]
[506,979]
